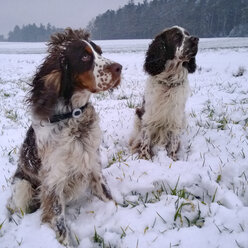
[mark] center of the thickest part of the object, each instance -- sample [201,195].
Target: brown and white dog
[59,158]
[169,58]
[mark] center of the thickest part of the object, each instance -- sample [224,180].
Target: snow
[199,201]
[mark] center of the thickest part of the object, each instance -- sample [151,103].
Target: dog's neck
[78,100]
[174,74]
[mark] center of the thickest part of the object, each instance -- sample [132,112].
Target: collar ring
[76,113]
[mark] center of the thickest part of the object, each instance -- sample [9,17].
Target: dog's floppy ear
[45,93]
[66,88]
[191,65]
[156,57]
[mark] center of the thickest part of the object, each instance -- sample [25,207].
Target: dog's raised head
[74,63]
[174,43]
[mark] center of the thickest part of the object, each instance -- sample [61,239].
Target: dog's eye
[86,57]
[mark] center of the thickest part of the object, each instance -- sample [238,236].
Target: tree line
[31,33]
[205,18]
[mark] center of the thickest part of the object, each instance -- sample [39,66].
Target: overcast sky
[60,13]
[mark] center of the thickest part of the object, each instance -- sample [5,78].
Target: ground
[199,201]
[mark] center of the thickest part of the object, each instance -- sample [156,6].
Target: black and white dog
[169,59]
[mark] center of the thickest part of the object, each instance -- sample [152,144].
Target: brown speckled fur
[60,160]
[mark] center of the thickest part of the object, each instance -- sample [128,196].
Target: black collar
[75,113]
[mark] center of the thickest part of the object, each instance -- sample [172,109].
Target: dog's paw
[62,233]
[99,188]
[106,196]
[71,241]
[145,152]
[68,241]
[173,156]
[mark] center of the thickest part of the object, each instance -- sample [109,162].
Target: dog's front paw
[99,187]
[65,236]
[107,196]
[173,156]
[62,233]
[145,152]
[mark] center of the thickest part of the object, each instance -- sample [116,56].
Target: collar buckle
[76,113]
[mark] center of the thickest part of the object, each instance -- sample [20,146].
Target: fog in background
[60,13]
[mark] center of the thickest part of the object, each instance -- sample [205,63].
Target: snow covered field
[199,201]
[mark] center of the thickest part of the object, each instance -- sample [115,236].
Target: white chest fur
[165,108]
[69,152]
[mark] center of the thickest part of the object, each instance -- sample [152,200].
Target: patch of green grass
[131,104]
[6,95]
[193,114]
[119,157]
[213,199]
[182,193]
[174,190]
[218,179]
[161,218]
[10,155]
[146,229]
[155,195]
[133,204]
[11,114]
[179,210]
[122,97]
[77,239]
[100,241]
[1,225]
[222,123]
[197,221]
[123,232]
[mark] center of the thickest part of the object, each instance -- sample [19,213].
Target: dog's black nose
[194,39]
[115,69]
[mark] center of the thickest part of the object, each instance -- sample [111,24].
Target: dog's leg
[53,207]
[173,146]
[99,187]
[145,150]
[134,142]
[22,199]
[34,203]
